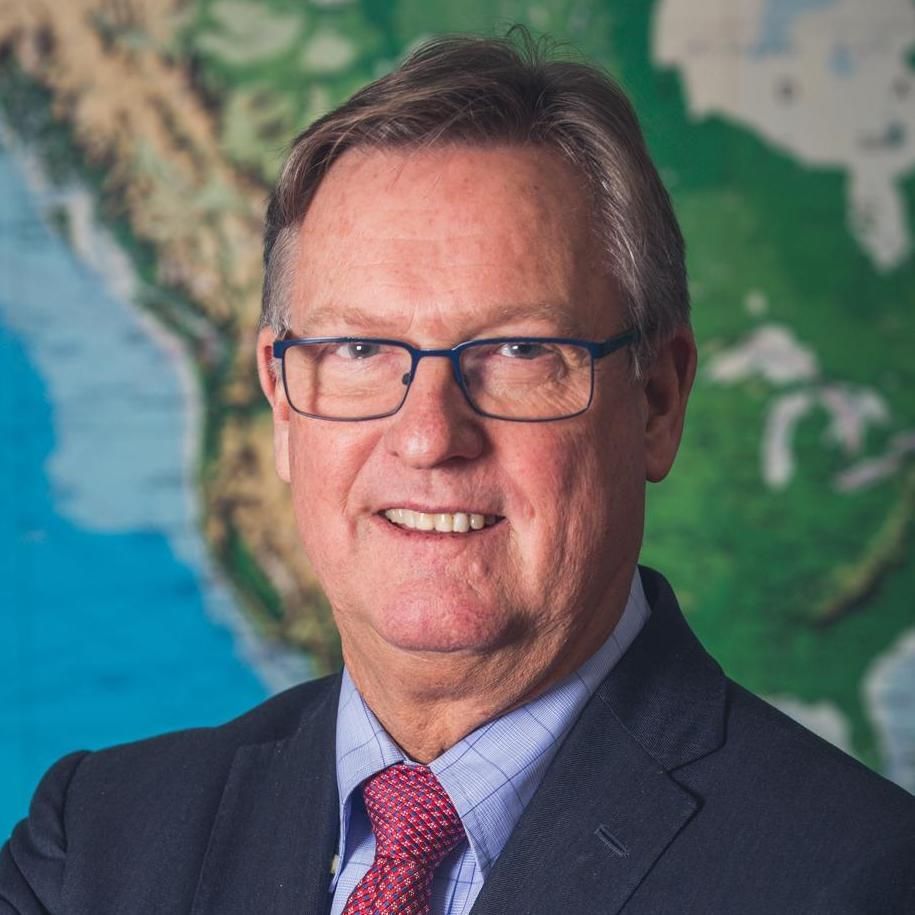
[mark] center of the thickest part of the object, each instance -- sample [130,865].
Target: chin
[439,624]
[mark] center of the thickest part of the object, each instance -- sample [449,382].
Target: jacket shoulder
[273,719]
[836,834]
[796,760]
[122,798]
[186,760]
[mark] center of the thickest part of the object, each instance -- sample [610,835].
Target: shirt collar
[492,773]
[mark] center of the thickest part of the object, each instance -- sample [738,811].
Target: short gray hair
[509,90]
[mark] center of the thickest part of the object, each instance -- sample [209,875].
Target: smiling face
[436,247]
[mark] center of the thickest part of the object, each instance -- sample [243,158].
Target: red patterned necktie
[415,826]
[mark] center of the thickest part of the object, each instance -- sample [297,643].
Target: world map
[151,574]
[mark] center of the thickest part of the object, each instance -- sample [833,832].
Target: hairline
[282,260]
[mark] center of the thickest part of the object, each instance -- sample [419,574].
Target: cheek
[587,504]
[550,500]
[324,464]
[580,495]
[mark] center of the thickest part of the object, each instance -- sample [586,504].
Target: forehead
[446,238]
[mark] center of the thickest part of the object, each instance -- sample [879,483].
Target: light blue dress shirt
[490,775]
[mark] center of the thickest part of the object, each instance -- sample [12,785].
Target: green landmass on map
[796,590]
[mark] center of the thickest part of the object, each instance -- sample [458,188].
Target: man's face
[436,247]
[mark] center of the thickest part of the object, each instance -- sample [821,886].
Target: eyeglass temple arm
[599,350]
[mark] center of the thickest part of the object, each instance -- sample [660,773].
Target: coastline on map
[73,206]
[191,225]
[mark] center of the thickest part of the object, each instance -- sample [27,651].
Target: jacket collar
[668,692]
[609,806]
[275,833]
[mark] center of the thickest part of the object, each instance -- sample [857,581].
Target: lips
[460,522]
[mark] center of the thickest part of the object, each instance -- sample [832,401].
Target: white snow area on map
[773,353]
[851,411]
[889,690]
[827,81]
[770,352]
[869,471]
[823,718]
[756,303]
[778,435]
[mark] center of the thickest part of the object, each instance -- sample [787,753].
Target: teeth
[443,522]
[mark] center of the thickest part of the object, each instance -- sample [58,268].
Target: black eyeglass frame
[597,349]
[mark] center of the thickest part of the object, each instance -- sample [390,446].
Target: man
[476,348]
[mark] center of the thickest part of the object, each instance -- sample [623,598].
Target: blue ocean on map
[113,623]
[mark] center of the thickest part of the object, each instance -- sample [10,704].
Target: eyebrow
[371,322]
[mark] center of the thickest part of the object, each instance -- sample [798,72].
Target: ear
[272,386]
[667,383]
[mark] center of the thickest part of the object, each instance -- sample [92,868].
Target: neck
[428,701]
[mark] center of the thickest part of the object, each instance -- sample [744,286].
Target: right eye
[357,349]
[522,349]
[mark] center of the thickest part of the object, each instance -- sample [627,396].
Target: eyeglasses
[521,379]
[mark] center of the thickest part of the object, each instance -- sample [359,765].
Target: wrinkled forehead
[379,182]
[463,232]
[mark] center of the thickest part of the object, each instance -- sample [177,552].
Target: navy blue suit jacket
[675,792]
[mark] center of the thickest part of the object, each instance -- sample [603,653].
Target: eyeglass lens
[514,379]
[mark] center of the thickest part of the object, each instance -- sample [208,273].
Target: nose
[435,423]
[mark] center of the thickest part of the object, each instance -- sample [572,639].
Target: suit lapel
[609,806]
[275,832]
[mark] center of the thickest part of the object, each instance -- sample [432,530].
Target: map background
[803,591]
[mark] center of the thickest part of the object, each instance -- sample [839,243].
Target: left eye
[358,350]
[520,349]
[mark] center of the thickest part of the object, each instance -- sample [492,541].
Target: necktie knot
[415,826]
[411,815]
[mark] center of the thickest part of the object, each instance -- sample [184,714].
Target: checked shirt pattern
[415,826]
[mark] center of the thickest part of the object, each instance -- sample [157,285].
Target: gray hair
[508,90]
